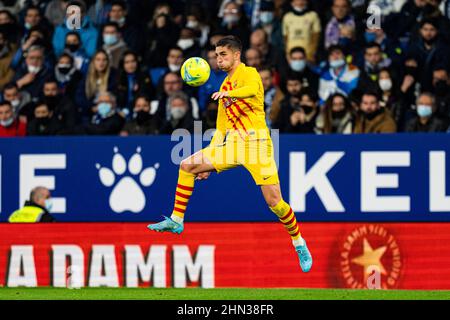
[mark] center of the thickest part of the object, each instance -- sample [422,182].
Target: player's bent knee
[187,165]
[273,200]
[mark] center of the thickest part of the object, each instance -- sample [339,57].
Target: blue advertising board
[400,177]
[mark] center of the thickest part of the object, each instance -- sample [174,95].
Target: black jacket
[143,86]
[187,122]
[149,126]
[434,124]
[283,122]
[109,126]
[43,127]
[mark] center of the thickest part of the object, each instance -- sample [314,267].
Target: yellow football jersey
[241,115]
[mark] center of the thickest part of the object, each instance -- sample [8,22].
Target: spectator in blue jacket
[74,47]
[338,76]
[88,33]
[33,73]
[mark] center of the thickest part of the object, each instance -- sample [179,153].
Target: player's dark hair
[231,42]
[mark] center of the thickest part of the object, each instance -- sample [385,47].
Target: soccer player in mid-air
[241,138]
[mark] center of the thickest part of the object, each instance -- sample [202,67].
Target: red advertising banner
[346,255]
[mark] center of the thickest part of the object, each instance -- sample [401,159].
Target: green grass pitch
[216,294]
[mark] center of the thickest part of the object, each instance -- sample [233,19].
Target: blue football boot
[305,257]
[167,225]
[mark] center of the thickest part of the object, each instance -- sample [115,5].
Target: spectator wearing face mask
[106,120]
[67,75]
[338,76]
[62,107]
[195,20]
[298,66]
[216,78]
[7,52]
[336,116]
[35,37]
[10,125]
[174,62]
[188,43]
[33,18]
[20,100]
[142,122]
[234,22]
[392,98]
[280,111]
[374,61]
[270,23]
[131,31]
[172,83]
[74,47]
[32,75]
[426,120]
[87,31]
[180,116]
[299,114]
[441,86]
[372,118]
[101,77]
[301,28]
[132,81]
[37,209]
[43,124]
[113,43]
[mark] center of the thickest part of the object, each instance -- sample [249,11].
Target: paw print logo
[127,194]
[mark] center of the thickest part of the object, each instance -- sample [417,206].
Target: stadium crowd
[324,67]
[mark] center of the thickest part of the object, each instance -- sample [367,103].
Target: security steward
[36,209]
